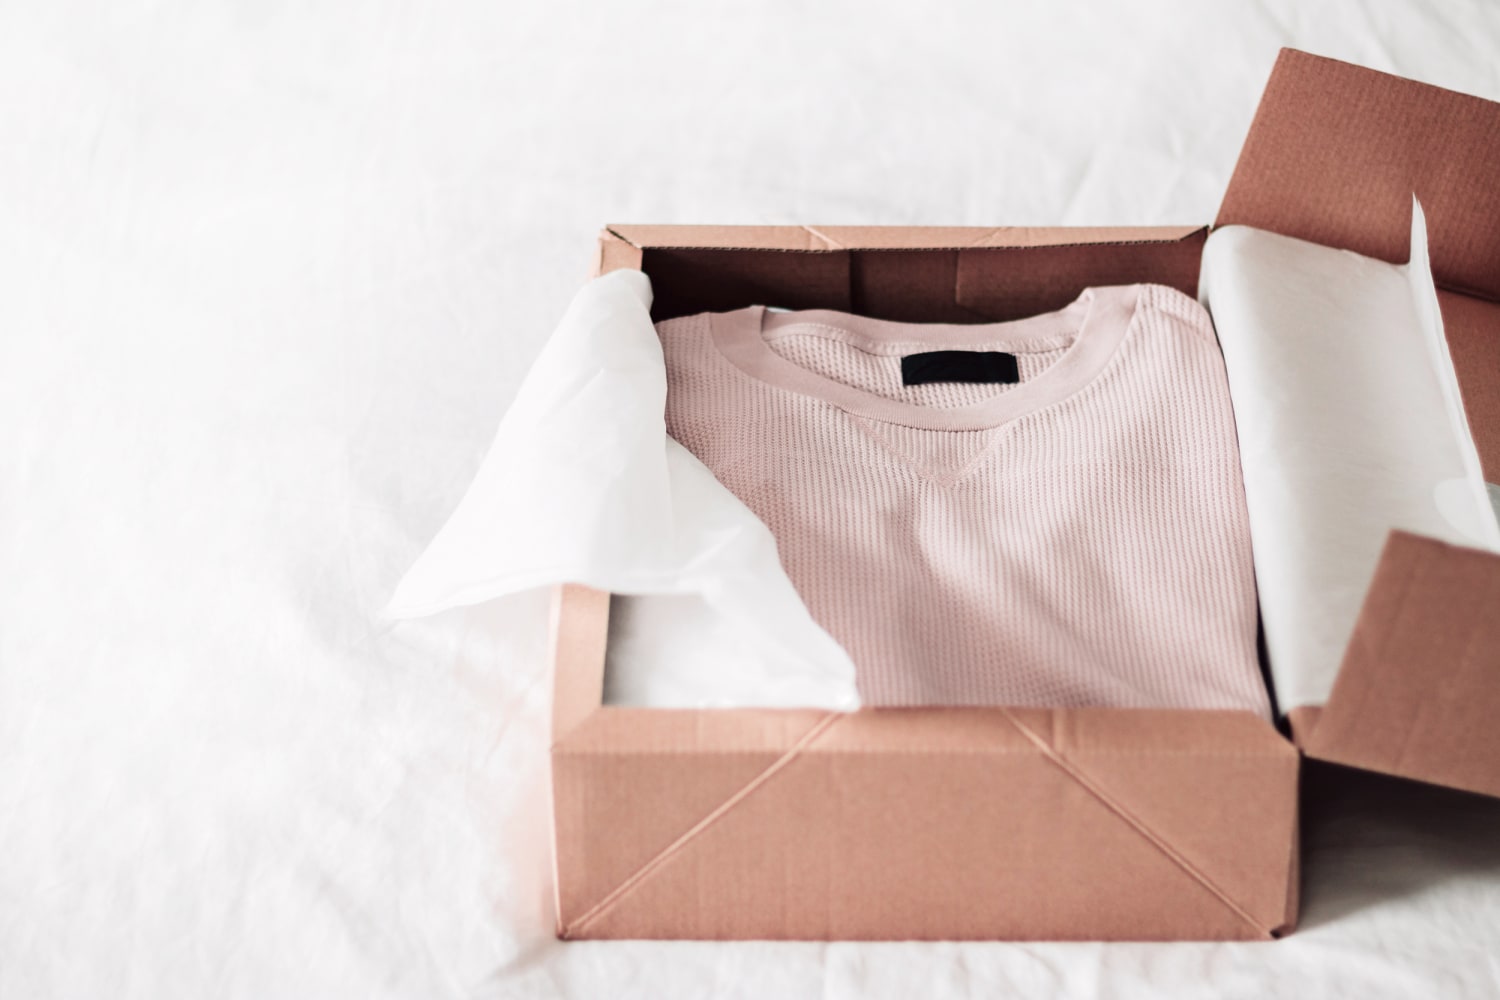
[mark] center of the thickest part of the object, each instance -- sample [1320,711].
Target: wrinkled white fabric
[271,276]
[583,485]
[1350,425]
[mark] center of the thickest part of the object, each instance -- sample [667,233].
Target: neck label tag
[980,367]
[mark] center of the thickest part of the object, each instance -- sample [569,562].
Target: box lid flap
[1333,156]
[1419,688]
[1335,152]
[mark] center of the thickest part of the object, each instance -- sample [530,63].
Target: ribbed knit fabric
[1077,538]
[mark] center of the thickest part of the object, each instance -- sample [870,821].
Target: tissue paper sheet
[1350,425]
[583,485]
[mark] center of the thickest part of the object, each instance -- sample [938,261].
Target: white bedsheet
[268,279]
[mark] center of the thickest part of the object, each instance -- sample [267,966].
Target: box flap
[1333,156]
[1336,150]
[1137,823]
[1107,824]
[1419,690]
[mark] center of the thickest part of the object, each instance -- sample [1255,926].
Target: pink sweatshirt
[1077,537]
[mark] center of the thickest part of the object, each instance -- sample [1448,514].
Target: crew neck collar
[1090,329]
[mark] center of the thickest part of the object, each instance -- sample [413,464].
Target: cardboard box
[1002,823]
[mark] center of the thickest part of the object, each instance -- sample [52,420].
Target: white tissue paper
[1350,424]
[583,485]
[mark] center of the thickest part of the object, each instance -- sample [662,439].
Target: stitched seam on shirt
[942,479]
[1135,823]
[636,878]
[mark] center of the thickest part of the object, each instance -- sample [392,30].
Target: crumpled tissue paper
[583,485]
[1350,424]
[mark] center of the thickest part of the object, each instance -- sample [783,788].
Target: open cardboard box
[1004,823]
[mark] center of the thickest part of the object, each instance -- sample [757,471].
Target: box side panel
[614,253]
[1418,694]
[911,286]
[1006,283]
[915,285]
[613,813]
[578,631]
[1335,152]
[687,281]
[1087,834]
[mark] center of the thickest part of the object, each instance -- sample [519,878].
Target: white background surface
[268,278]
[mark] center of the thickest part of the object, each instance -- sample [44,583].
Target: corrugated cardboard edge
[834,238]
[577,632]
[578,629]
[1419,689]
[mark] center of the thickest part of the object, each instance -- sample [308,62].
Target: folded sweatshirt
[1041,512]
